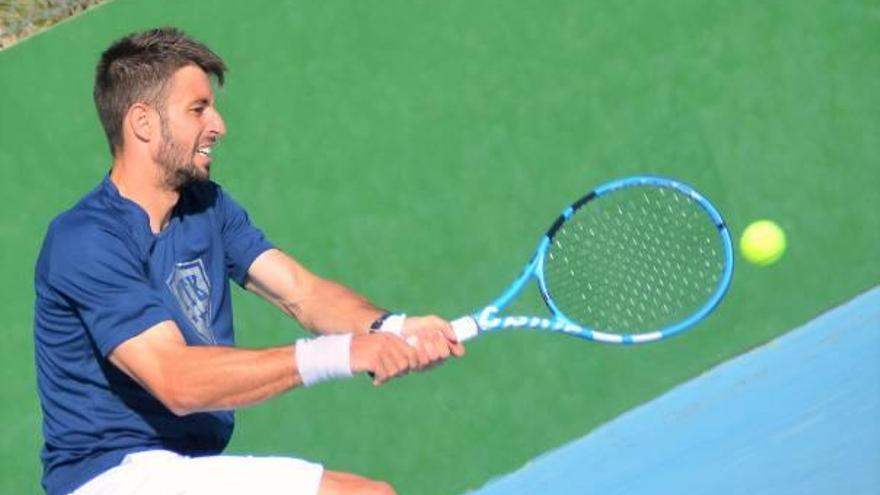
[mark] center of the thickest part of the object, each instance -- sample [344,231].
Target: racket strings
[633,261]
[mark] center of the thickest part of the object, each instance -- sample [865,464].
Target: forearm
[320,305]
[334,308]
[222,378]
[210,378]
[190,379]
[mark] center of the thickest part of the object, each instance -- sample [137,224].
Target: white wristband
[323,358]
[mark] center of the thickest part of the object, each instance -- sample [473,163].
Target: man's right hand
[383,355]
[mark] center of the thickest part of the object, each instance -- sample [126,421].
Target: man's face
[190,126]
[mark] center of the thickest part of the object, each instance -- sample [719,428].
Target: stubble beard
[176,161]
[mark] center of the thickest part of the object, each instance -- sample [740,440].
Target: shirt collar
[130,213]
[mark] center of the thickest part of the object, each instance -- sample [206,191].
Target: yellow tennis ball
[763,242]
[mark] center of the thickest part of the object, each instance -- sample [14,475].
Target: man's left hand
[433,339]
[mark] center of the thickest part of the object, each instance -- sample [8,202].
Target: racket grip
[465,328]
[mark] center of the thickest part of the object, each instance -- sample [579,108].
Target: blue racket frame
[488,318]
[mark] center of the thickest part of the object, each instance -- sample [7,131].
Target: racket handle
[465,328]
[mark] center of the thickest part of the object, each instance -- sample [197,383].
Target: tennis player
[136,365]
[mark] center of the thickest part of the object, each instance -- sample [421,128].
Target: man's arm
[320,305]
[188,379]
[324,306]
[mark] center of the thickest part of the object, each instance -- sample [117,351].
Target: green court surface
[416,151]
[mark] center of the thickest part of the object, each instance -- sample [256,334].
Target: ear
[142,122]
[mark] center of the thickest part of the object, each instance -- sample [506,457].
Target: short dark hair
[138,68]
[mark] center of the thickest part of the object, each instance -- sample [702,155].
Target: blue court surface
[800,415]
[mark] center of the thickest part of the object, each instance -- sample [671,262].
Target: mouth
[205,151]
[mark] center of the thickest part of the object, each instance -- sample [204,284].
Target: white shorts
[161,472]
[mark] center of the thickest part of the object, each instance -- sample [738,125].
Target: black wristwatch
[377,323]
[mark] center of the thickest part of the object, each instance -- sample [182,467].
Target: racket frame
[488,318]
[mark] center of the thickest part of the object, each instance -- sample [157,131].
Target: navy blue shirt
[103,277]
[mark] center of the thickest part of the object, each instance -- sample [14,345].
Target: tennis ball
[763,242]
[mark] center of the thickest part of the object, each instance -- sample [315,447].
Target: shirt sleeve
[101,277]
[242,241]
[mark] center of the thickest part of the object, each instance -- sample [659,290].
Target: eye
[198,110]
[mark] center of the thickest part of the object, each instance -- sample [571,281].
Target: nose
[216,126]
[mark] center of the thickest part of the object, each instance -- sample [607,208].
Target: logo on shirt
[189,284]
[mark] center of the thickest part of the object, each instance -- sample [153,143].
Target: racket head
[635,260]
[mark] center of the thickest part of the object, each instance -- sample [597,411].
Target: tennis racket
[635,260]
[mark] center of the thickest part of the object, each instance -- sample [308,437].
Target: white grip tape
[394,324]
[465,328]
